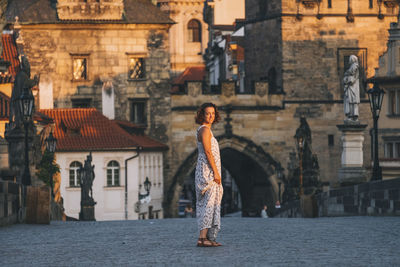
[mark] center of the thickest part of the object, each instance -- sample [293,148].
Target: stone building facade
[189,36]
[387,76]
[111,55]
[301,46]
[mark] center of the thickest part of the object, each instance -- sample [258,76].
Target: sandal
[215,243]
[201,242]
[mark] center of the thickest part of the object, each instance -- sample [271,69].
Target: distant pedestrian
[264,213]
[188,211]
[277,205]
[208,177]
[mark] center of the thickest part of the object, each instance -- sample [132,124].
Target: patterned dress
[208,206]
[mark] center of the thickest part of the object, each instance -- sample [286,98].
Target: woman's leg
[203,233]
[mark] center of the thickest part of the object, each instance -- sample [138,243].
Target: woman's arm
[205,137]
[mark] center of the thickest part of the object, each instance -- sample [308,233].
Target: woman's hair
[201,113]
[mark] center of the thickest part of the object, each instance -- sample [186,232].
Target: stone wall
[376,198]
[9,202]
[373,198]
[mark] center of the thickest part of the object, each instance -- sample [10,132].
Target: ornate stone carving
[90,9]
[310,3]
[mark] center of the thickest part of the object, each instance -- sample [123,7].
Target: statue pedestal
[352,170]
[87,213]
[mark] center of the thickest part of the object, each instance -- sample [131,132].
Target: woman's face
[209,115]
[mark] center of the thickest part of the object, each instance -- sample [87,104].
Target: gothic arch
[235,149]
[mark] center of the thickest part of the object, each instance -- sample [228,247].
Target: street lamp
[300,141]
[26,103]
[147,186]
[375,96]
[51,143]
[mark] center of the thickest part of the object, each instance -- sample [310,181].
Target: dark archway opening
[246,186]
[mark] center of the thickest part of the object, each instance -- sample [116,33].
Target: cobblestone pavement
[347,241]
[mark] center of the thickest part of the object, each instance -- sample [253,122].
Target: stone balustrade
[9,202]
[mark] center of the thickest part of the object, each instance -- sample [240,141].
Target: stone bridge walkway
[349,241]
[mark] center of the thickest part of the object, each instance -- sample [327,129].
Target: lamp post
[51,143]
[375,96]
[279,192]
[300,140]
[26,103]
[279,173]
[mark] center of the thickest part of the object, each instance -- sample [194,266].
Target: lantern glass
[51,143]
[299,138]
[147,185]
[375,96]
[26,103]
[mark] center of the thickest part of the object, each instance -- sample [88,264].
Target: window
[138,111]
[74,176]
[394,102]
[136,68]
[371,3]
[392,149]
[80,64]
[82,103]
[194,30]
[113,173]
[329,3]
[331,140]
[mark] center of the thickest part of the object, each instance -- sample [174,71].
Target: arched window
[194,30]
[74,175]
[113,173]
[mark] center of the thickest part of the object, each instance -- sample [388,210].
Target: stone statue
[22,82]
[86,181]
[351,90]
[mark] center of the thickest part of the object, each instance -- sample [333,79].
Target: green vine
[47,167]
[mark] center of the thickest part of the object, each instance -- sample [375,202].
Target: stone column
[352,170]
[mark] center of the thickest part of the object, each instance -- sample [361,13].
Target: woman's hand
[217,178]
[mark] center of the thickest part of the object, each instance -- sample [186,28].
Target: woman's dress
[208,205]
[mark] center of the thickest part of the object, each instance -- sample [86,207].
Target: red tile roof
[10,53]
[86,129]
[42,11]
[196,73]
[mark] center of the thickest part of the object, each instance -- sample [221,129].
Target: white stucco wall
[111,200]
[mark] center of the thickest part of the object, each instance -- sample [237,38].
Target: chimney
[108,99]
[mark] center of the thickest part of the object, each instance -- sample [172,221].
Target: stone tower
[300,46]
[189,36]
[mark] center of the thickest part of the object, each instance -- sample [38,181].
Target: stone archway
[252,168]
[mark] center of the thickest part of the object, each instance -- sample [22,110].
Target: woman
[208,177]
